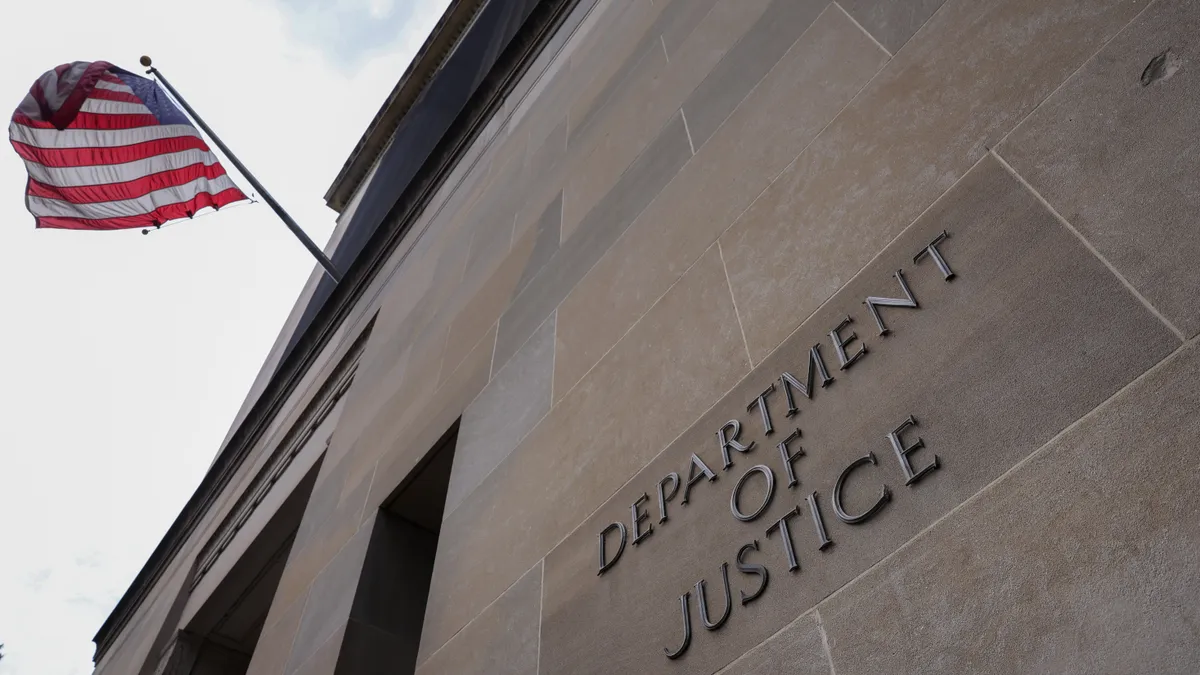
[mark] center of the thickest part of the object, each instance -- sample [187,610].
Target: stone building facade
[737,336]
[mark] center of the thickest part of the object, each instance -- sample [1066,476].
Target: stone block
[1116,151]
[415,430]
[1082,560]
[702,36]
[601,65]
[798,649]
[783,22]
[547,230]
[507,408]
[636,46]
[328,524]
[481,312]
[640,183]
[685,352]
[975,70]
[274,644]
[891,22]
[597,167]
[330,599]
[502,640]
[990,364]
[802,94]
[325,659]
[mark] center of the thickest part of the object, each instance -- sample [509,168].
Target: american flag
[107,150]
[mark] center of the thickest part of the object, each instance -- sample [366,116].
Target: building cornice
[438,46]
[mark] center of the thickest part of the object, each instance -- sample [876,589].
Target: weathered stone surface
[330,520]
[502,640]
[597,167]
[1117,155]
[796,650]
[545,237]
[612,53]
[330,599]
[414,430]
[507,408]
[650,94]
[640,183]
[1082,560]
[891,22]
[680,19]
[685,352]
[325,659]
[974,71]
[367,650]
[992,364]
[673,19]
[480,314]
[806,89]
[783,22]
[547,156]
[275,642]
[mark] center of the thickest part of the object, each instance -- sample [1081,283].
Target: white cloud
[124,357]
[350,32]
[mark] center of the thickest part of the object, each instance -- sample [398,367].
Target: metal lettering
[737,490]
[604,562]
[874,303]
[789,458]
[819,522]
[702,601]
[694,477]
[787,380]
[726,442]
[761,402]
[840,509]
[687,628]
[640,517]
[903,451]
[839,344]
[786,535]
[932,251]
[752,568]
[663,498]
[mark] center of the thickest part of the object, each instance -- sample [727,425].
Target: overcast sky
[124,358]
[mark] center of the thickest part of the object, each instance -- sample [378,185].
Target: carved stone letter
[764,412]
[663,497]
[737,491]
[638,516]
[685,605]
[694,477]
[752,568]
[702,601]
[840,509]
[932,251]
[605,563]
[789,458]
[789,381]
[839,344]
[786,534]
[903,451]
[874,303]
[726,443]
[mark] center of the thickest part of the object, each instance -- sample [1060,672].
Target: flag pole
[283,215]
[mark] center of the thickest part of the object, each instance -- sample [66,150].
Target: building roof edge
[428,59]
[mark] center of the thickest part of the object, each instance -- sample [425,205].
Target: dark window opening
[384,631]
[221,637]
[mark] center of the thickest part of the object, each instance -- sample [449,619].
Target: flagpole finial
[145,61]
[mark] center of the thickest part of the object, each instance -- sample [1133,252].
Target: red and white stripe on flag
[107,150]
